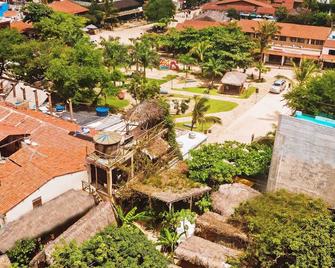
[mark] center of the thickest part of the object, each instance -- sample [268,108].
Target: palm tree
[305,70]
[260,66]
[200,109]
[130,217]
[115,54]
[199,51]
[168,240]
[213,68]
[187,61]
[265,31]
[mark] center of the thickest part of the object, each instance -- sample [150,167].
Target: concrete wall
[303,159]
[48,191]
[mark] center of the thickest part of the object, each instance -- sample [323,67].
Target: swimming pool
[316,119]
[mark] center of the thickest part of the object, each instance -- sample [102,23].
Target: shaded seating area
[48,220]
[233,82]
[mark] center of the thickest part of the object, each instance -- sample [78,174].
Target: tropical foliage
[287,230]
[130,217]
[305,70]
[168,240]
[205,203]
[315,97]
[156,10]
[220,163]
[34,12]
[114,247]
[22,252]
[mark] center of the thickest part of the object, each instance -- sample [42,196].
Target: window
[301,40]
[293,39]
[282,38]
[317,42]
[37,202]
[331,52]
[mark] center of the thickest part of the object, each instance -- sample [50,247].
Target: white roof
[187,144]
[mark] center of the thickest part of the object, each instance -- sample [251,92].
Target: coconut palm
[265,31]
[305,70]
[115,54]
[199,51]
[260,66]
[213,68]
[200,109]
[168,240]
[130,217]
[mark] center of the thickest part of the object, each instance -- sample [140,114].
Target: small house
[233,82]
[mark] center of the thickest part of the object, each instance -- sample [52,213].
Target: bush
[114,247]
[156,10]
[23,252]
[220,163]
[287,230]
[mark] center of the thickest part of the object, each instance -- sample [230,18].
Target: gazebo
[233,82]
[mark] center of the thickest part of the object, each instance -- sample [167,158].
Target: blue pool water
[3,8]
[316,119]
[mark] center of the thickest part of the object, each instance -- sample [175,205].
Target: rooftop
[39,163]
[67,6]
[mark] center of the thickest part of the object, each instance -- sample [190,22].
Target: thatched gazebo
[229,197]
[199,252]
[146,114]
[213,227]
[50,218]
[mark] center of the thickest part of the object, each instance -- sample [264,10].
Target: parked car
[278,86]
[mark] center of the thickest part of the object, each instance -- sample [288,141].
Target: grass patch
[158,81]
[198,90]
[115,102]
[247,93]
[200,128]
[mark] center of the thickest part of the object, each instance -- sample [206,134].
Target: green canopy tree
[34,12]
[155,10]
[286,230]
[187,60]
[115,54]
[316,96]
[8,40]
[213,68]
[200,109]
[142,89]
[199,51]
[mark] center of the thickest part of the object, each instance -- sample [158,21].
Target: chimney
[36,99]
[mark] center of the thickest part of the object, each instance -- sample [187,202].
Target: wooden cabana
[233,82]
[198,252]
[213,227]
[49,219]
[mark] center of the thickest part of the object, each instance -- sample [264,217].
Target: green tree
[315,97]
[265,31]
[22,252]
[200,109]
[115,247]
[115,54]
[155,10]
[187,60]
[8,40]
[305,70]
[286,230]
[310,4]
[213,68]
[142,89]
[61,26]
[199,51]
[34,12]
[281,13]
[262,68]
[220,163]
[130,217]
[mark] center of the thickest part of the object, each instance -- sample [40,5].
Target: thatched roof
[234,78]
[149,110]
[198,251]
[93,222]
[45,219]
[229,197]
[213,227]
[156,148]
[4,262]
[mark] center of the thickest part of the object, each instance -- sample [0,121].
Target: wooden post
[24,93]
[132,167]
[71,110]
[170,207]
[50,102]
[191,201]
[14,91]
[109,182]
[36,99]
[150,203]
[96,177]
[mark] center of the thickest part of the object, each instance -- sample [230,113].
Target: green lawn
[114,102]
[200,128]
[163,80]
[247,93]
[199,90]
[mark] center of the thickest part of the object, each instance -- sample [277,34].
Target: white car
[278,86]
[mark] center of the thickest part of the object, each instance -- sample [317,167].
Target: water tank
[107,142]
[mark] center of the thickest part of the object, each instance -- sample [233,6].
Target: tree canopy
[115,247]
[219,163]
[155,10]
[315,97]
[34,12]
[287,230]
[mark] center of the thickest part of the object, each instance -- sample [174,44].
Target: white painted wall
[48,191]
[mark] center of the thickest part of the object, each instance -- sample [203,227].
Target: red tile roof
[55,154]
[329,44]
[329,58]
[7,130]
[197,24]
[21,26]
[10,13]
[67,6]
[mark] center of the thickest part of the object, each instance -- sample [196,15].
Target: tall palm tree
[213,68]
[260,66]
[265,31]
[305,70]
[200,109]
[115,54]
[199,51]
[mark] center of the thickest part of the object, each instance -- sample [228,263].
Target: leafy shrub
[220,163]
[22,252]
[114,247]
[287,230]
[205,203]
[171,219]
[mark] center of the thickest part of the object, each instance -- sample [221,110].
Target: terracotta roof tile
[55,154]
[10,13]
[329,43]
[21,26]
[67,6]
[198,24]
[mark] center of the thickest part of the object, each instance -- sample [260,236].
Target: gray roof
[234,78]
[45,219]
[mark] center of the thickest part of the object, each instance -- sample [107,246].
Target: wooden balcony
[295,44]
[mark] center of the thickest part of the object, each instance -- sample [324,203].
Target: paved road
[257,120]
